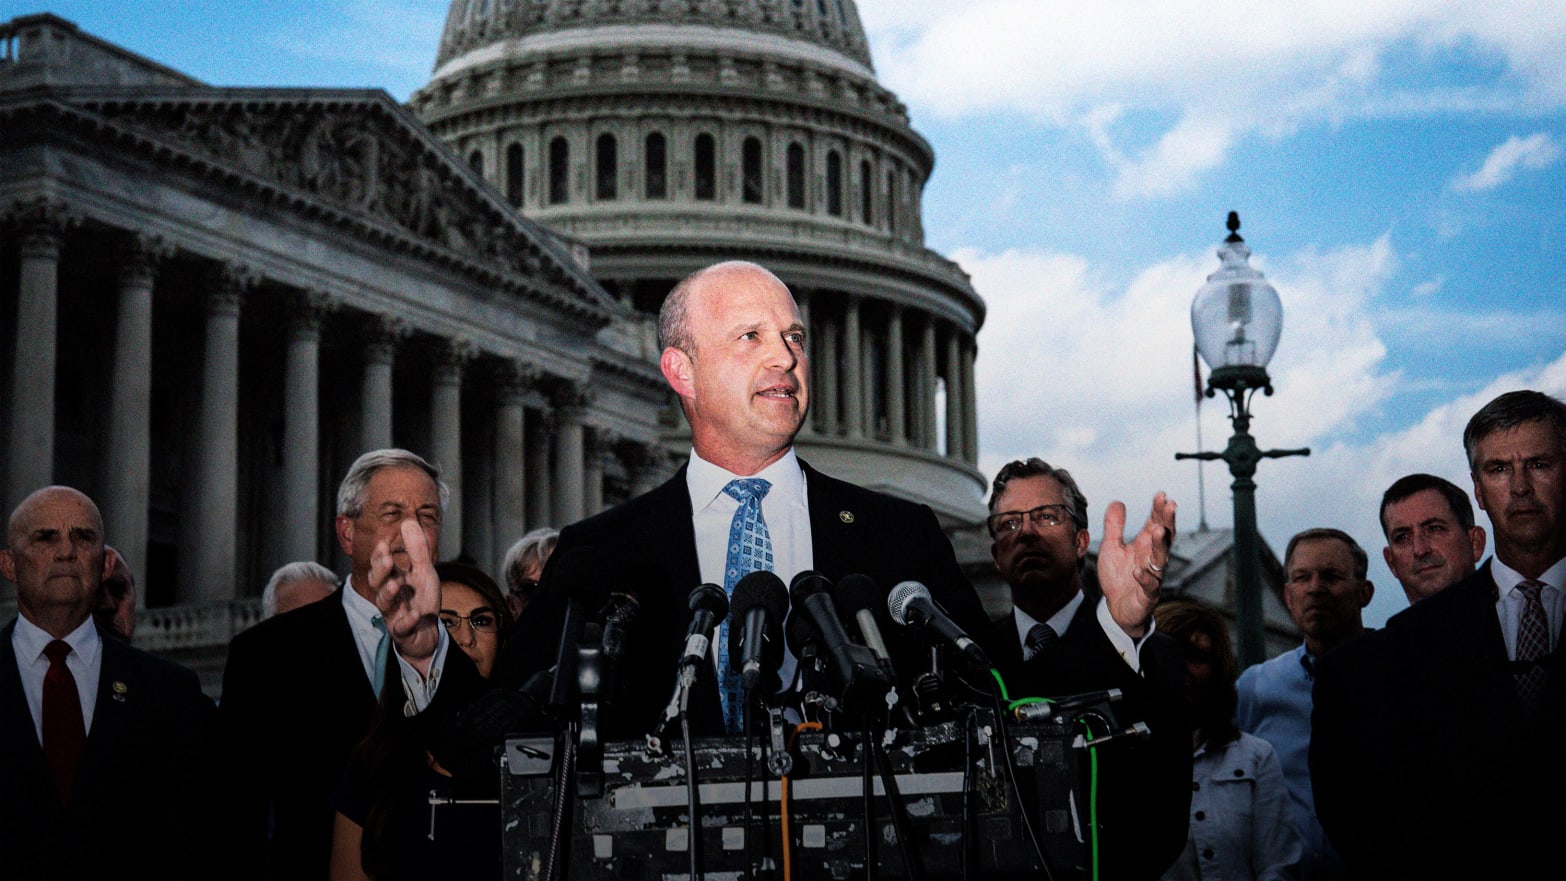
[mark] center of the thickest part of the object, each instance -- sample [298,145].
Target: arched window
[706,167]
[515,175]
[657,167]
[796,176]
[476,162]
[834,184]
[559,171]
[866,193]
[608,167]
[751,162]
[891,200]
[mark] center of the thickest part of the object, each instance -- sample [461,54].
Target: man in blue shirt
[1325,591]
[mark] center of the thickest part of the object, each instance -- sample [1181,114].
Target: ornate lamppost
[1237,319]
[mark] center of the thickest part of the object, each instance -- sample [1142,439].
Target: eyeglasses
[482,621]
[1044,517]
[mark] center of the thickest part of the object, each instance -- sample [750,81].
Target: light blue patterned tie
[749,550]
[381,649]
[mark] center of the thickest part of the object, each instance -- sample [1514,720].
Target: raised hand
[1130,573]
[409,600]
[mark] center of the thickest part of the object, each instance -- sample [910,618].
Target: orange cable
[788,841]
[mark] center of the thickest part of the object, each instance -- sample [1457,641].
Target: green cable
[1001,682]
[1092,797]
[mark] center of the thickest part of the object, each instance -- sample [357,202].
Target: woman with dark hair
[1241,826]
[392,819]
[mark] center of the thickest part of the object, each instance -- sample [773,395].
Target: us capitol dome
[658,136]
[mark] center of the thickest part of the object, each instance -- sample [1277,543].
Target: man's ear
[8,565]
[677,371]
[1476,535]
[344,528]
[1370,591]
[109,559]
[1084,538]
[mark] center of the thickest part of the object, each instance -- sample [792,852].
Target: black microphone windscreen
[799,632]
[807,583]
[710,598]
[760,588]
[856,592]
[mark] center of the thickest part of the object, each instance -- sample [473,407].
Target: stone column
[538,442]
[43,224]
[451,357]
[511,480]
[302,428]
[927,367]
[955,433]
[571,400]
[896,406]
[827,380]
[853,362]
[600,448]
[380,348]
[970,407]
[210,533]
[128,456]
[648,465]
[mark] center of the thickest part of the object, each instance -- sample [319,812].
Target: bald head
[55,555]
[673,319]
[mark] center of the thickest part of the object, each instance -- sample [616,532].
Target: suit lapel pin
[120,690]
[846,516]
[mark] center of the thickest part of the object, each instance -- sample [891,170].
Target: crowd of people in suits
[1421,750]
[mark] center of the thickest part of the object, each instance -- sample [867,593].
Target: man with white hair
[296,584]
[301,689]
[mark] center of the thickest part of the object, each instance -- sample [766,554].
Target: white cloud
[1534,152]
[1200,78]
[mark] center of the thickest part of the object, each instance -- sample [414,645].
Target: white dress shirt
[1509,605]
[1057,622]
[1130,650]
[366,637]
[785,508]
[85,663]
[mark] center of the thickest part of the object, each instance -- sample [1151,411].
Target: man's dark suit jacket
[1422,761]
[647,547]
[295,703]
[139,806]
[1144,787]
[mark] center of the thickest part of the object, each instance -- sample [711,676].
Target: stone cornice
[353,159]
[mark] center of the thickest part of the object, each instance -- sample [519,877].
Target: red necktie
[64,735]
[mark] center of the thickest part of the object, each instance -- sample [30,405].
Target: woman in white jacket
[1241,827]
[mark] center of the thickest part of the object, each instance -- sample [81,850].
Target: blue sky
[1399,167]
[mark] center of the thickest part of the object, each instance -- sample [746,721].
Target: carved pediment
[362,156]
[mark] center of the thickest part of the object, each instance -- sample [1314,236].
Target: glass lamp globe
[1237,316]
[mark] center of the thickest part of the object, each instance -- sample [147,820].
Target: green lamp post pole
[1237,319]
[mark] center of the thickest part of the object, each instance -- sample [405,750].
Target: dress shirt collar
[705,481]
[1057,622]
[1507,578]
[29,641]
[360,610]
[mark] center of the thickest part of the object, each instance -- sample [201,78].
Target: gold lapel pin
[120,689]
[846,516]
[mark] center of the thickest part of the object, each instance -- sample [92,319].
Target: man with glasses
[1069,634]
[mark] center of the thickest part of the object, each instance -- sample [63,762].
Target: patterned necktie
[381,650]
[1040,637]
[749,550]
[64,734]
[1533,643]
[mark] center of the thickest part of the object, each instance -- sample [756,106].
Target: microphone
[709,606]
[856,668]
[858,594]
[759,604]
[579,572]
[619,613]
[911,606]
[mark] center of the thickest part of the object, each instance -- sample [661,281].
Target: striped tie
[1533,643]
[1040,637]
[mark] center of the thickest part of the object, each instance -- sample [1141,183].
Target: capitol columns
[513,380]
[896,407]
[382,334]
[956,435]
[826,383]
[302,426]
[128,457]
[600,449]
[854,383]
[207,551]
[451,359]
[539,441]
[41,224]
[571,400]
[970,405]
[802,299]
